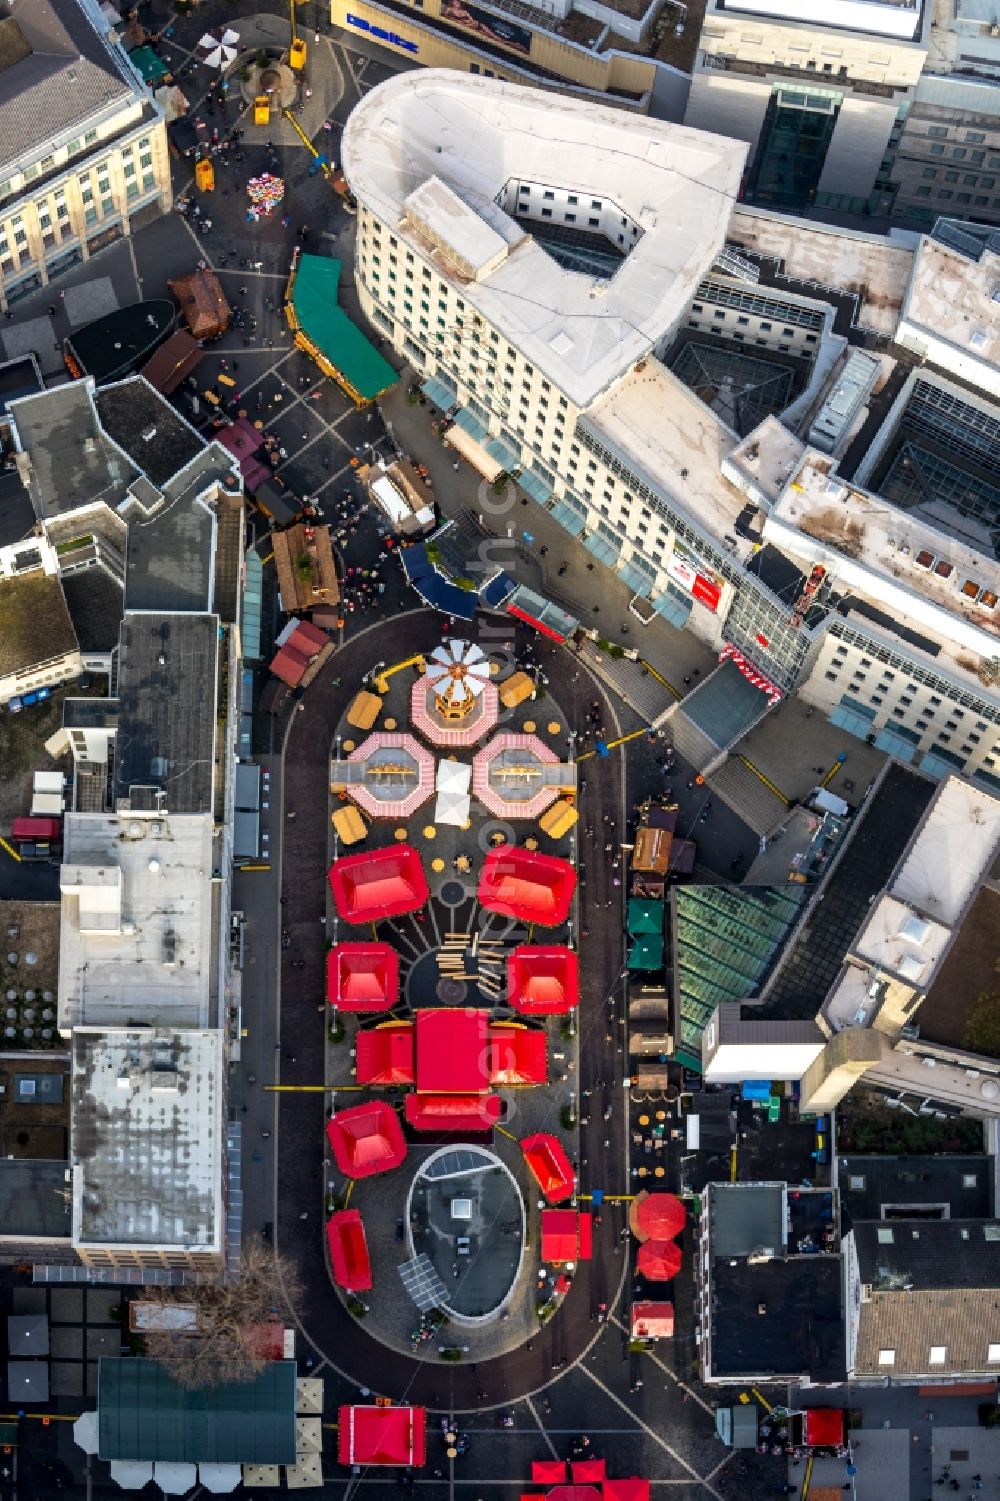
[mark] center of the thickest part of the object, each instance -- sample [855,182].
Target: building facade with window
[652,377]
[83,145]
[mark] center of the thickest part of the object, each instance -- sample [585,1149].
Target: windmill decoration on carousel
[458,672]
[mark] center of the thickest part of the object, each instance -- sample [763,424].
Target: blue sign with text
[360,24]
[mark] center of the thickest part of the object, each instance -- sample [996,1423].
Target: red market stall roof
[526,885]
[366,1139]
[548,1471]
[657,1216]
[550,1166]
[378,883]
[587,1470]
[27,827]
[652,1320]
[543,980]
[362,976]
[567,1235]
[384,1055]
[452,1112]
[382,1436]
[574,1493]
[659,1260]
[626,1490]
[453,1051]
[823,1427]
[296,652]
[345,1236]
[517,1055]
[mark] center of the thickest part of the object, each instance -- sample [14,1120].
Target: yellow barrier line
[661,679]
[269,559]
[309,1088]
[12,852]
[350,1190]
[762,1400]
[807,1477]
[732,1164]
[766,780]
[509,1134]
[837,765]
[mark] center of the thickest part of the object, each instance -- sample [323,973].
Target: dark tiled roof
[778,1318]
[145,425]
[869,1184]
[55,70]
[166,729]
[929,1254]
[95,606]
[229,538]
[882,830]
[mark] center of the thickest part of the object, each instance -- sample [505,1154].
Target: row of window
[940,687]
[720,294]
[47,163]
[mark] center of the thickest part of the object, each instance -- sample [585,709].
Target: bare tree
[236,1320]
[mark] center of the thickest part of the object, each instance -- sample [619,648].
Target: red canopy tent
[345,1236]
[652,1320]
[517,1055]
[543,979]
[659,1260]
[626,1490]
[366,1139]
[587,1470]
[378,883]
[823,1427]
[362,976]
[526,885]
[548,1471]
[574,1493]
[382,1436]
[384,1055]
[549,1165]
[656,1216]
[453,1050]
[452,1112]
[567,1235]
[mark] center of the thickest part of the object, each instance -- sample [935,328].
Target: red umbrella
[659,1260]
[657,1217]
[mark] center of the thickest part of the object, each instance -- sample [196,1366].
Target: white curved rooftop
[429,152]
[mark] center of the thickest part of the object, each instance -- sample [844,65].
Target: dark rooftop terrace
[945,1187]
[778,1318]
[166,693]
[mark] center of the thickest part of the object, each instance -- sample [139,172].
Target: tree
[235,1318]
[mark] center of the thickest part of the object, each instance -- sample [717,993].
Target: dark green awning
[327,326]
[143,1414]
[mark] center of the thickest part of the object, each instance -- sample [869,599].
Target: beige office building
[83,145]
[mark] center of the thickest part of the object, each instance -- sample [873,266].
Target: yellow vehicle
[297,55]
[204,175]
[261,110]
[381,679]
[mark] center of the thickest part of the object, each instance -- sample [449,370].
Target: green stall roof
[325,324]
[144,1415]
[646,953]
[146,62]
[644,917]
